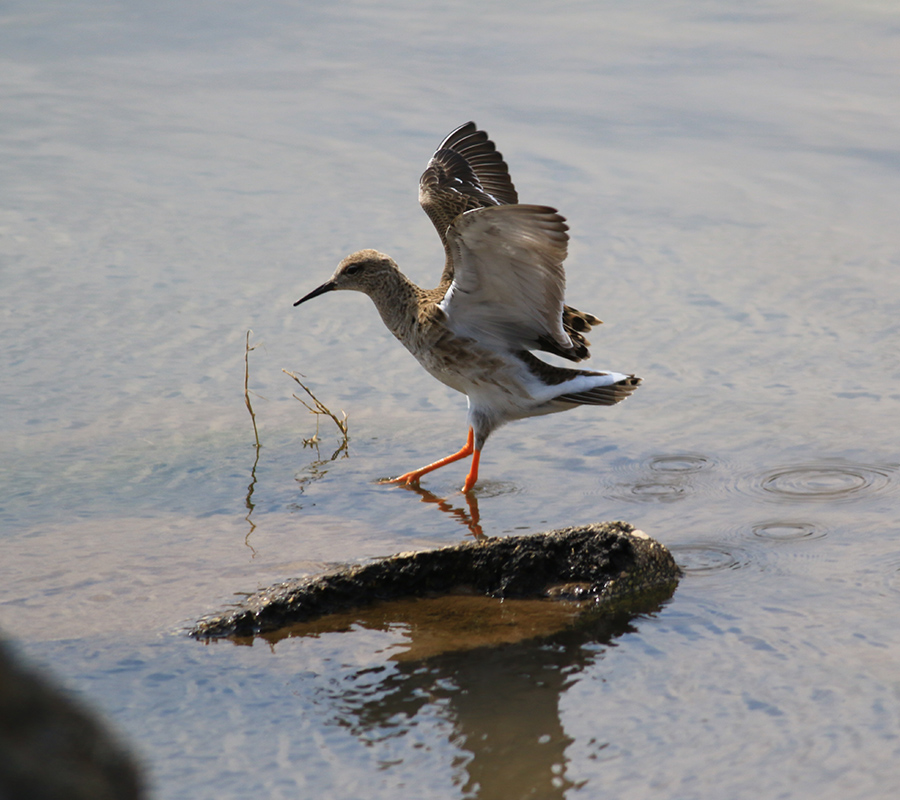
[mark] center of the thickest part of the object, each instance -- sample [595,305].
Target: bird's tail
[606,395]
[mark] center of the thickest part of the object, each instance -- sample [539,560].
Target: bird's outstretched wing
[509,282]
[465,172]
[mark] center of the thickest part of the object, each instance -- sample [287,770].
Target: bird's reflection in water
[495,670]
[468,517]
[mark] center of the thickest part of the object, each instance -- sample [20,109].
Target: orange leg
[472,477]
[468,450]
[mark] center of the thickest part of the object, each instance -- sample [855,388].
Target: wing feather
[508,277]
[466,172]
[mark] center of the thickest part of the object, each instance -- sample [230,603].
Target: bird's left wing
[465,172]
[508,283]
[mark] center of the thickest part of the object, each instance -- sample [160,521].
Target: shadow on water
[494,670]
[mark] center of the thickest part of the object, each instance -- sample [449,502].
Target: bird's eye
[352,269]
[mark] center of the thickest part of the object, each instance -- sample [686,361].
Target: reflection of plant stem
[321,409]
[248,500]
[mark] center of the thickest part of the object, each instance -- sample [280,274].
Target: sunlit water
[173,175]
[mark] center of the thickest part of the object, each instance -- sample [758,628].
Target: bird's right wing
[509,281]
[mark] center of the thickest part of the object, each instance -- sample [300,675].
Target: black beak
[328,286]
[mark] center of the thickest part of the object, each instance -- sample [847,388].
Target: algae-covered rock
[603,563]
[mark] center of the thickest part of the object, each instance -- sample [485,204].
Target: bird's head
[363,271]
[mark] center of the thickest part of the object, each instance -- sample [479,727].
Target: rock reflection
[495,670]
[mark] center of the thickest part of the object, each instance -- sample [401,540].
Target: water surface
[174,175]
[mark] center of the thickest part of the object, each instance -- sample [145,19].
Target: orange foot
[412,478]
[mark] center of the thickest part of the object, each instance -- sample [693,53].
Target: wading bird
[500,297]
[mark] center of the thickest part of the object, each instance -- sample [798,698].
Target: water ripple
[647,492]
[786,531]
[891,565]
[663,478]
[680,463]
[822,481]
[704,558]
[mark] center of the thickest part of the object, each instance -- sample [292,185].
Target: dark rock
[601,564]
[52,748]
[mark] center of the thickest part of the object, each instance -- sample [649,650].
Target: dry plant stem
[320,408]
[247,350]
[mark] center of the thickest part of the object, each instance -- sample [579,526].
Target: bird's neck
[398,302]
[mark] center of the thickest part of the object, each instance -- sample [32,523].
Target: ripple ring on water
[822,482]
[651,492]
[708,557]
[680,463]
[785,531]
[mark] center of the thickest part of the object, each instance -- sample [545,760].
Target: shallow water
[172,176]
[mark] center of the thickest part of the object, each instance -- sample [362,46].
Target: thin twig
[247,350]
[320,409]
